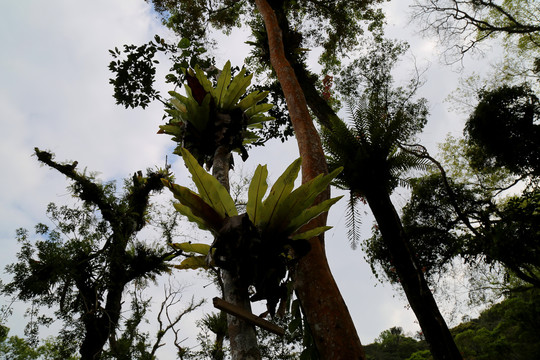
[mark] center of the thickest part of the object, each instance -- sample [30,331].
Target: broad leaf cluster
[258,245]
[211,117]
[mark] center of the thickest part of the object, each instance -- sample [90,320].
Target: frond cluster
[210,117]
[261,244]
[369,148]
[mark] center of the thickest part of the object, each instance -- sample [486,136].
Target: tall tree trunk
[434,328]
[327,315]
[317,104]
[242,336]
[100,323]
[96,333]
[412,279]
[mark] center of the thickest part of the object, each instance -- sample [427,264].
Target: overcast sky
[54,94]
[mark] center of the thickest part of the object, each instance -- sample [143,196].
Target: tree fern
[368,146]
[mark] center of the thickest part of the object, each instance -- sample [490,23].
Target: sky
[55,95]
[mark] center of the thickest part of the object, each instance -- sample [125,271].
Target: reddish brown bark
[326,313]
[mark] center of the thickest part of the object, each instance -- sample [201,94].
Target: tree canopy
[83,266]
[463,24]
[471,216]
[505,127]
[334,25]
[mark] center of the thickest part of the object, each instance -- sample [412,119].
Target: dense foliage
[470,216]
[82,267]
[506,330]
[336,26]
[383,117]
[505,126]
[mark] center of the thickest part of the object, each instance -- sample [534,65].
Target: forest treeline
[509,330]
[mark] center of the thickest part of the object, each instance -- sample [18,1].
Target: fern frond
[359,114]
[403,164]
[353,221]
[341,142]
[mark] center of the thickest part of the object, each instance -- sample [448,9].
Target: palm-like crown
[210,117]
[256,246]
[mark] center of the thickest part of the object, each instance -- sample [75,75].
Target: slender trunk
[217,351]
[412,279]
[101,323]
[327,315]
[418,291]
[100,326]
[242,335]
[95,337]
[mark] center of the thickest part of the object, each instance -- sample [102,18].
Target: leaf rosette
[259,245]
[212,116]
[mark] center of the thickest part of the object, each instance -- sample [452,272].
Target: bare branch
[173,297]
[462,25]
[421,151]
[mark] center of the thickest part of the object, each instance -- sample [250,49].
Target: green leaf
[176,95]
[184,43]
[249,140]
[186,211]
[300,199]
[237,88]
[202,249]
[195,262]
[255,120]
[223,83]
[203,80]
[178,104]
[199,208]
[194,207]
[249,137]
[197,115]
[305,194]
[171,130]
[257,190]
[310,233]
[210,190]
[171,257]
[257,125]
[252,99]
[311,213]
[281,189]
[176,114]
[256,109]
